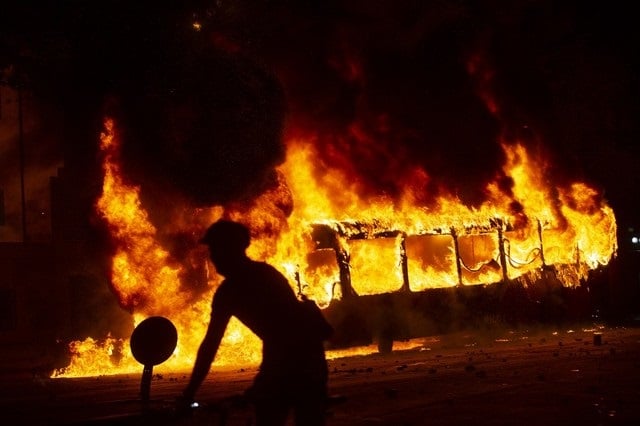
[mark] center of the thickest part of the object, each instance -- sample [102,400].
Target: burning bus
[398,272]
[488,273]
[402,269]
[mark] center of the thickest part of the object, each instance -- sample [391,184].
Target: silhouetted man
[293,372]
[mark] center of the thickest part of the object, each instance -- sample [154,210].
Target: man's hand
[184,405]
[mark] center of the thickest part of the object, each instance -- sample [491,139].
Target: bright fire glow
[570,227]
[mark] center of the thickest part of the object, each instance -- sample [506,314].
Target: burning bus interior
[438,281]
[412,186]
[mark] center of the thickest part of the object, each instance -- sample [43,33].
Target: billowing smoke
[208,128]
[206,90]
[384,86]
[387,85]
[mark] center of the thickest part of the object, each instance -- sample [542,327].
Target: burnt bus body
[403,312]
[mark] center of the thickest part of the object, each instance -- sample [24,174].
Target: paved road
[524,378]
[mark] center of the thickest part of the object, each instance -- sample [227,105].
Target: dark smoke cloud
[562,74]
[567,71]
[405,64]
[395,71]
[202,112]
[195,122]
[209,128]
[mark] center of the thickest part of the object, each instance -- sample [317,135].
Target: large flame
[535,224]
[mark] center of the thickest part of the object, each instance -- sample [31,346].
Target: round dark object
[153,340]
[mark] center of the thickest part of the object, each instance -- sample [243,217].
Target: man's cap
[227,233]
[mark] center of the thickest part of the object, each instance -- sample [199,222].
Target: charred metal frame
[335,236]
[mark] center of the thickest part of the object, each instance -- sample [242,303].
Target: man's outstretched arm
[206,353]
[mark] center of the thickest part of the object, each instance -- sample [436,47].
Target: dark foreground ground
[525,377]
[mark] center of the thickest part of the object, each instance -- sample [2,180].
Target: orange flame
[570,228]
[145,282]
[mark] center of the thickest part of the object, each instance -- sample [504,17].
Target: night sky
[387,84]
